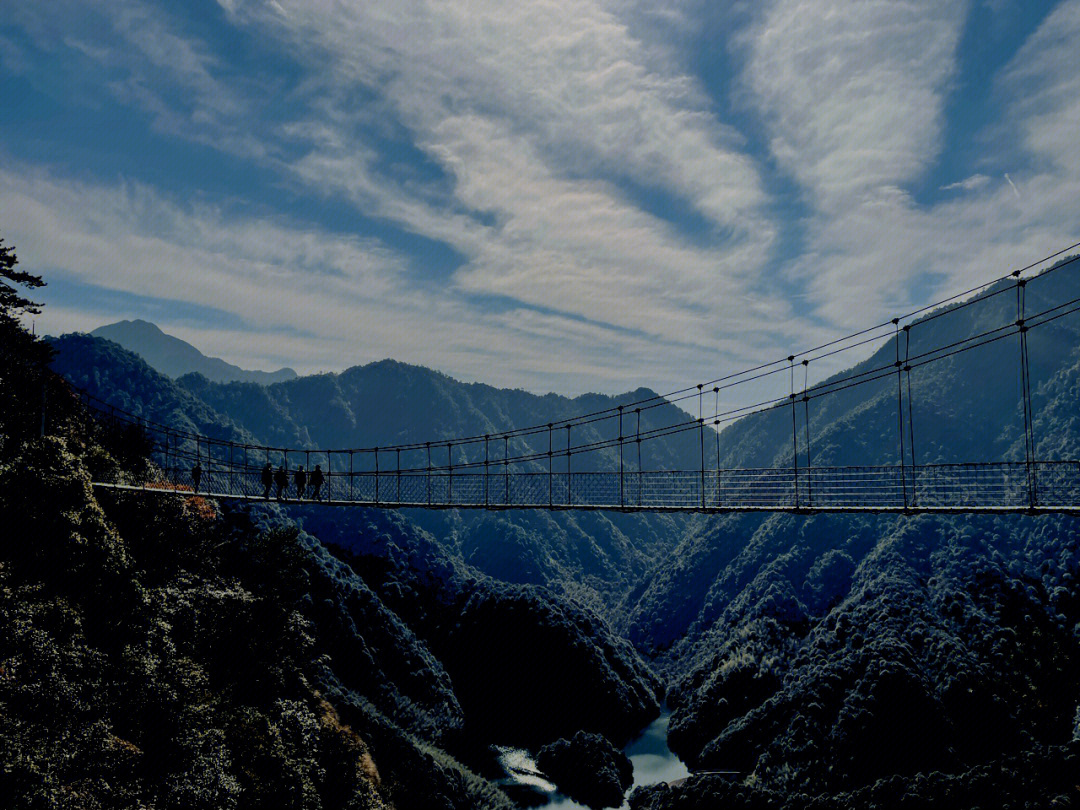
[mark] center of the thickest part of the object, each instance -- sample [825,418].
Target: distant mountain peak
[175,357]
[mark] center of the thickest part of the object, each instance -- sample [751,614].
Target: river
[653,762]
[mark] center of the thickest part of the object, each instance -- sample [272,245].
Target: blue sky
[554,195]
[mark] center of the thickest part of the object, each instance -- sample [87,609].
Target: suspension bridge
[595,460]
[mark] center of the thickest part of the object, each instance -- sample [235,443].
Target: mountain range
[831,661]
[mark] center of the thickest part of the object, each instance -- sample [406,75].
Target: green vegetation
[873,661]
[172,652]
[154,654]
[588,768]
[157,653]
[855,662]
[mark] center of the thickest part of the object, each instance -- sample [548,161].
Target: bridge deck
[991,488]
[1040,509]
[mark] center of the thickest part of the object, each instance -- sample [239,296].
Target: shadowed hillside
[842,656]
[826,659]
[180,654]
[597,558]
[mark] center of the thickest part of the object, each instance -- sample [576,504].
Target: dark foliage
[13,303]
[859,661]
[122,380]
[588,769]
[1039,778]
[862,660]
[594,558]
[161,670]
[509,641]
[498,641]
[159,653]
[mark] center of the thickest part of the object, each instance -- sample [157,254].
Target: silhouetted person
[300,479]
[196,475]
[281,480]
[267,480]
[316,483]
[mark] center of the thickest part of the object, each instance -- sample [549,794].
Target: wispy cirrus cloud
[536,116]
[1042,82]
[567,76]
[545,121]
[973,183]
[855,97]
[853,93]
[295,295]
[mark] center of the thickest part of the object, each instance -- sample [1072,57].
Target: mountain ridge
[175,357]
[835,660]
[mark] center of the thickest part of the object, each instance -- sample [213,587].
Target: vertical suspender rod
[900,410]
[806,421]
[701,442]
[551,486]
[1025,382]
[569,494]
[911,421]
[622,494]
[716,427]
[794,431]
[638,440]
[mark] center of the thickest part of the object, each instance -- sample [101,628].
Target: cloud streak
[303,296]
[853,92]
[854,96]
[608,219]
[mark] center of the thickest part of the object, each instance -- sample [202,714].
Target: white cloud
[973,183]
[305,297]
[568,76]
[854,95]
[535,112]
[540,116]
[1043,81]
[853,90]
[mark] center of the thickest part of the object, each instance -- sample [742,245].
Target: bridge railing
[1007,484]
[605,455]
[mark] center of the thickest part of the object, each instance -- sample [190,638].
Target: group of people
[280,479]
[301,480]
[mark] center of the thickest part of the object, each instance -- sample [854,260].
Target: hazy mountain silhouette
[175,357]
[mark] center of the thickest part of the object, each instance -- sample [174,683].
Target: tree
[24,360]
[11,302]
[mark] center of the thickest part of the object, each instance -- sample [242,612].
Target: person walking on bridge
[267,480]
[300,480]
[281,479]
[196,476]
[316,483]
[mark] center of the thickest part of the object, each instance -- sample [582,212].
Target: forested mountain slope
[827,659]
[597,558]
[174,653]
[841,656]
